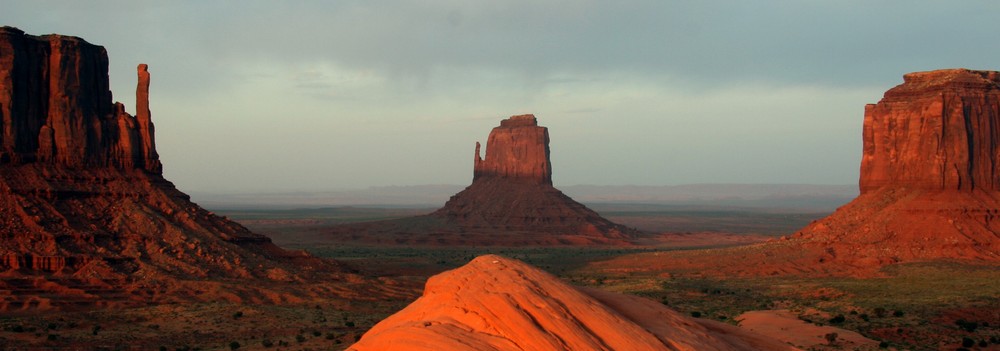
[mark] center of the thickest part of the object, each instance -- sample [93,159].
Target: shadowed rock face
[939,130]
[496,303]
[512,189]
[85,216]
[55,106]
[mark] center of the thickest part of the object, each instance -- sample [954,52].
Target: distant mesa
[512,189]
[511,202]
[497,303]
[86,218]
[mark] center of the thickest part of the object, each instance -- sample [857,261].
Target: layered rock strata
[496,303]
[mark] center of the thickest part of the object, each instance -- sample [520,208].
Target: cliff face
[517,150]
[939,130]
[86,217]
[55,106]
[497,303]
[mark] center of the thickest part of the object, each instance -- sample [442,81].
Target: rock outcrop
[939,130]
[512,189]
[496,303]
[86,217]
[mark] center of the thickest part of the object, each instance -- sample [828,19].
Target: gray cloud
[321,94]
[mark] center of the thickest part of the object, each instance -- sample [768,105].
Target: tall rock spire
[151,160]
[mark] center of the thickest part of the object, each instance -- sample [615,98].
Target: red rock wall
[517,150]
[55,106]
[937,130]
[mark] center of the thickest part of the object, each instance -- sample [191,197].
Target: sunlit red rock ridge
[496,303]
[86,218]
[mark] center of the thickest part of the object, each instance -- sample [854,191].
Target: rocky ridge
[497,303]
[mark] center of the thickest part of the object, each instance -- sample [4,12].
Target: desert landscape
[100,251]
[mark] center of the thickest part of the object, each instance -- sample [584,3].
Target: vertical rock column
[151,161]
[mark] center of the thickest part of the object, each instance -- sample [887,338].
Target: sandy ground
[785,326]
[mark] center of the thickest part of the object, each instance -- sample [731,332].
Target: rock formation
[936,131]
[496,303]
[929,189]
[511,202]
[85,216]
[512,189]
[930,176]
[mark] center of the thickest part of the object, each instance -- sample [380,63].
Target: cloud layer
[274,96]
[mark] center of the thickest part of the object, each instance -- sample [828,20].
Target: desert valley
[99,251]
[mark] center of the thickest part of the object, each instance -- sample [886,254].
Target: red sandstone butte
[496,303]
[86,218]
[936,131]
[930,176]
[512,189]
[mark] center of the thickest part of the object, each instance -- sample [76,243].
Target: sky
[274,96]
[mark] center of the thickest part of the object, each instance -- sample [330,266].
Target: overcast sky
[270,96]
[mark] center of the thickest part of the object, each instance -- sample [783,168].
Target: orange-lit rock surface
[86,218]
[511,202]
[936,131]
[496,303]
